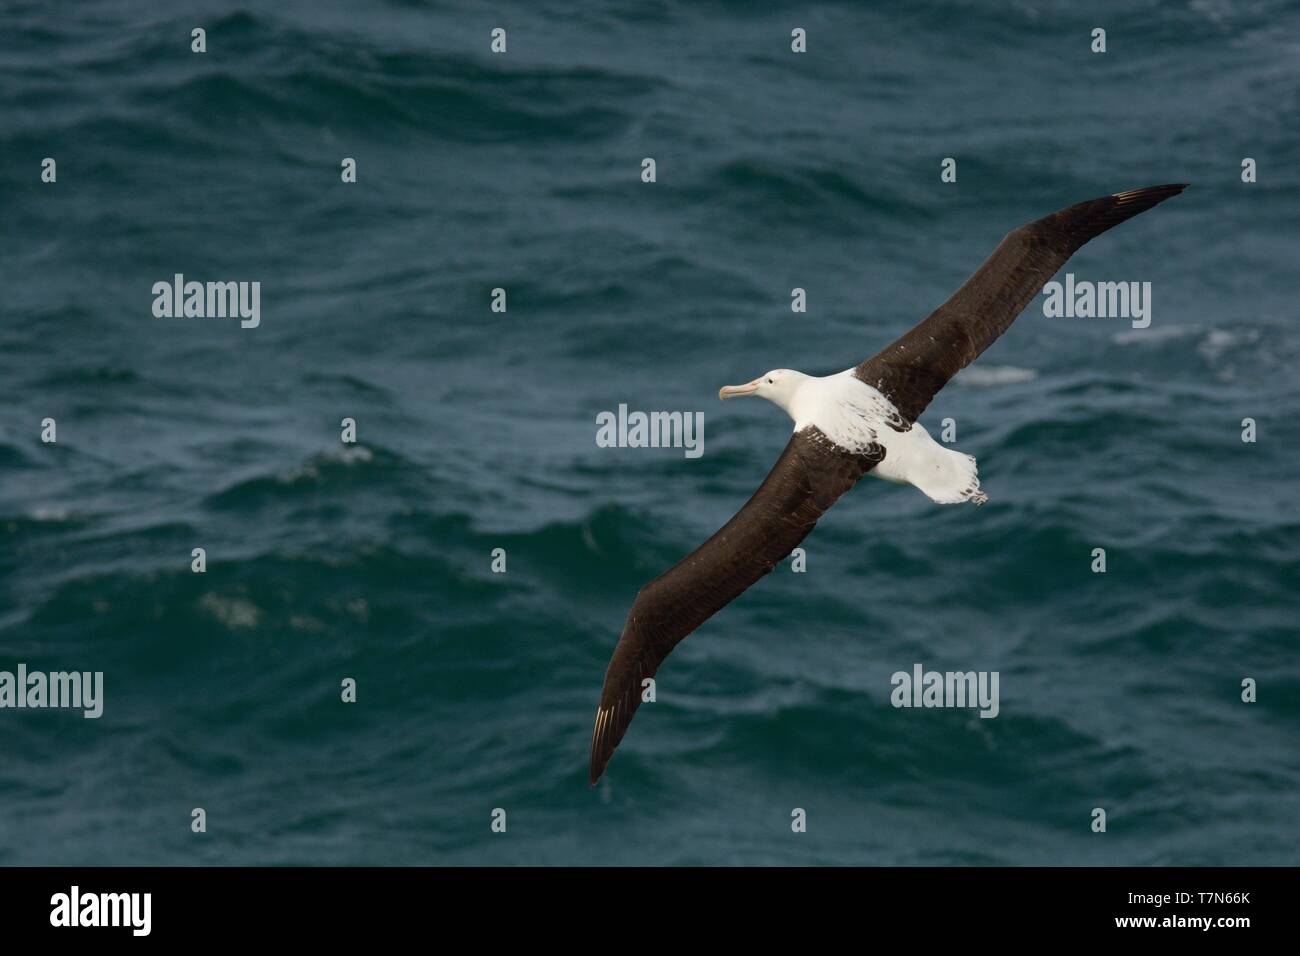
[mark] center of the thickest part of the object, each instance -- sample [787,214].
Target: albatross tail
[950,477]
[945,476]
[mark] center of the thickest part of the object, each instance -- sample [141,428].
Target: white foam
[981,376]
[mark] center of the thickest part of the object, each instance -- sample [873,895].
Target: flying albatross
[861,420]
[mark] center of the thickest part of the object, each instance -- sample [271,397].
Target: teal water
[477,431]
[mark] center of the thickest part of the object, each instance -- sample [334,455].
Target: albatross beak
[731,391]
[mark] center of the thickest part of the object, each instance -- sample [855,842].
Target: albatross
[857,422]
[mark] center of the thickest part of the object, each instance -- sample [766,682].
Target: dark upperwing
[806,480]
[911,371]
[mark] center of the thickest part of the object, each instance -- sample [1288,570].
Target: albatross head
[777,386]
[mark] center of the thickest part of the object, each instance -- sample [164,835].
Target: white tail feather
[949,477]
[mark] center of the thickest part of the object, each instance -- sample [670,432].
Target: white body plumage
[854,416]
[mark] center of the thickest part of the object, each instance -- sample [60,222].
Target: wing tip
[1153,193]
[600,753]
[1087,220]
[596,768]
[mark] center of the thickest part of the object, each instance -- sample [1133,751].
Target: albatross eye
[769,380]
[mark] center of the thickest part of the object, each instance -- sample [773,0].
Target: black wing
[807,479]
[911,371]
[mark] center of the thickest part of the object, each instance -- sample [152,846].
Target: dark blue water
[476,431]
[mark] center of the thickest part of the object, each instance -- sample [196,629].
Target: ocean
[475,689]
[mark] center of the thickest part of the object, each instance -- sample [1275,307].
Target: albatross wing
[911,371]
[807,479]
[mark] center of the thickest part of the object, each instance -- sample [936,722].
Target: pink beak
[731,391]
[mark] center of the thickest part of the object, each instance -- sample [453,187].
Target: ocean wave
[338,468]
[14,456]
[316,79]
[800,193]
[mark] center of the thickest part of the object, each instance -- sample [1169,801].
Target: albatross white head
[778,386]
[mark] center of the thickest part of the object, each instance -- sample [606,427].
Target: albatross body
[857,422]
[857,418]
